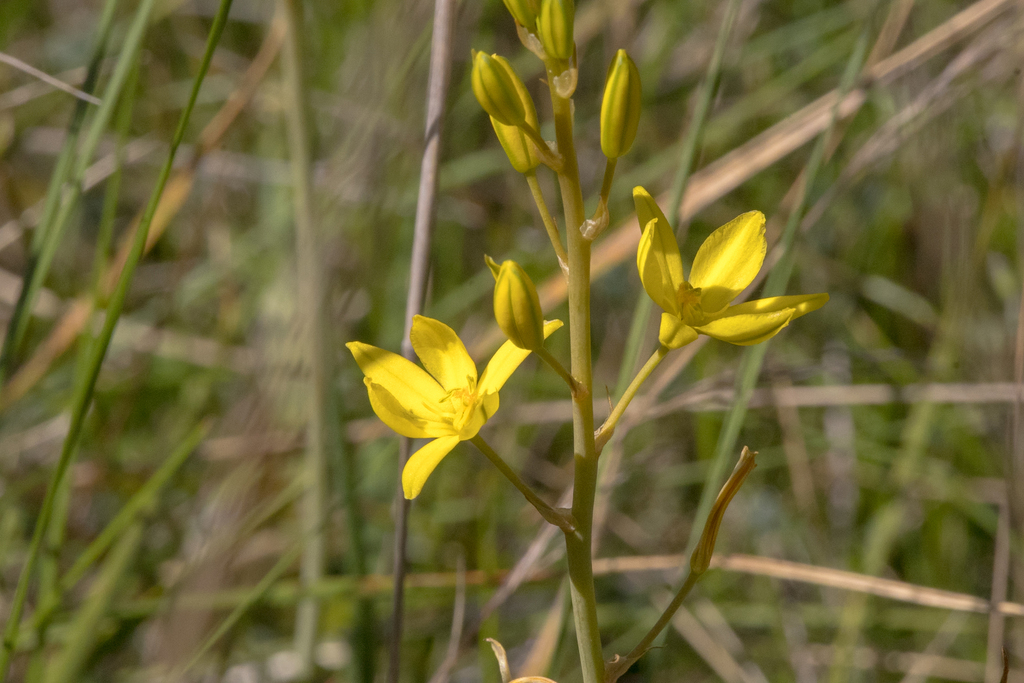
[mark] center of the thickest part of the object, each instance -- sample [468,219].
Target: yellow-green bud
[700,560]
[554,27]
[517,146]
[620,108]
[516,305]
[494,84]
[646,208]
[524,12]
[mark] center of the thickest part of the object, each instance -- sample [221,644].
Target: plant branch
[559,517]
[549,222]
[555,365]
[608,428]
[700,560]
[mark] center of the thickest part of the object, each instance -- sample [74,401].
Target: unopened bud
[513,140]
[516,305]
[620,108]
[554,27]
[494,84]
[701,558]
[646,208]
[524,12]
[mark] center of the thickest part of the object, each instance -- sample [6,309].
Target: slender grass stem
[250,599]
[558,517]
[52,233]
[437,89]
[549,222]
[83,393]
[50,592]
[311,318]
[84,629]
[608,428]
[56,188]
[695,131]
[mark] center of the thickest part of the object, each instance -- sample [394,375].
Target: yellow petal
[801,304]
[747,329]
[674,333]
[419,424]
[422,463]
[646,208]
[489,405]
[728,260]
[505,361]
[661,268]
[442,353]
[403,379]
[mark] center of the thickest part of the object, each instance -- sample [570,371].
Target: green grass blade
[84,630]
[60,174]
[52,233]
[83,394]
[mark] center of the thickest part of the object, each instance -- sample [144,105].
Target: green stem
[608,428]
[557,517]
[555,365]
[578,543]
[606,183]
[549,222]
[551,159]
[620,665]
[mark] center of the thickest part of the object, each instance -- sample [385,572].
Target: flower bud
[554,28]
[524,12]
[516,305]
[494,84]
[701,558]
[517,146]
[620,108]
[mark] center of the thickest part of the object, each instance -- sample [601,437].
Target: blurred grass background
[888,423]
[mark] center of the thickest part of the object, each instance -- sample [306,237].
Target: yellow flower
[448,405]
[725,264]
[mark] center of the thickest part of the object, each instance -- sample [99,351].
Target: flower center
[460,404]
[689,303]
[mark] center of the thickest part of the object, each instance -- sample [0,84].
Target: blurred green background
[888,423]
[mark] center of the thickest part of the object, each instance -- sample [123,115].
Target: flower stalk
[578,543]
[447,402]
[604,434]
[700,560]
[559,517]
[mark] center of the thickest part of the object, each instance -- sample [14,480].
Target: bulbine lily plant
[448,402]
